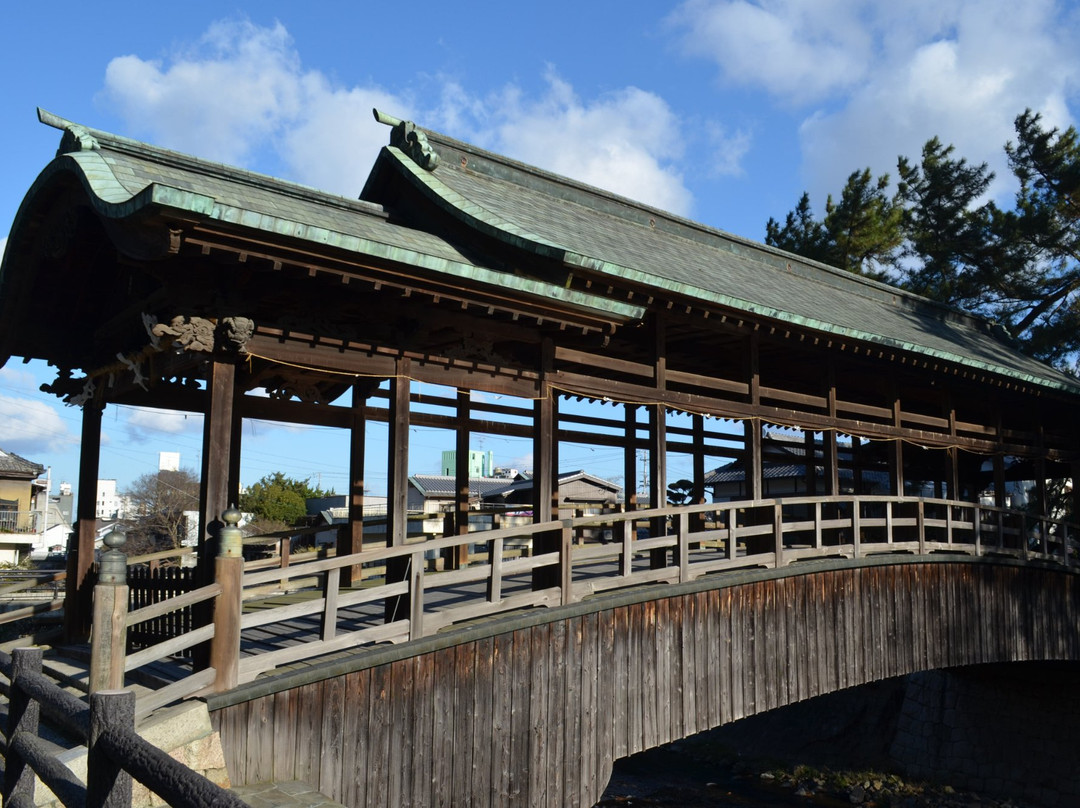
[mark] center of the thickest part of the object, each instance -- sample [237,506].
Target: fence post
[108,785]
[23,715]
[566,560]
[229,573]
[108,632]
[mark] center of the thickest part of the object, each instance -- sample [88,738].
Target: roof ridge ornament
[410,140]
[76,137]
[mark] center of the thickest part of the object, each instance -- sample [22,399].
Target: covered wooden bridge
[522,296]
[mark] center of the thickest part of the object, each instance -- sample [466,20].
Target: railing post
[495,559]
[778,534]
[108,632]
[229,573]
[682,531]
[627,557]
[566,554]
[920,523]
[23,715]
[856,528]
[416,595]
[978,529]
[108,785]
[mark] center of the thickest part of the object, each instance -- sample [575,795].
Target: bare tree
[158,502]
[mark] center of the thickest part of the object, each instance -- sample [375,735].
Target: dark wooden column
[697,496]
[999,480]
[545,468]
[896,454]
[1074,467]
[460,555]
[658,442]
[831,456]
[810,451]
[755,486]
[214,492]
[630,458]
[351,540]
[235,446]
[79,586]
[397,488]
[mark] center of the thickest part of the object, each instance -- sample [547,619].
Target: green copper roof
[602,233]
[122,176]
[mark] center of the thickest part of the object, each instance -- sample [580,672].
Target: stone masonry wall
[1008,730]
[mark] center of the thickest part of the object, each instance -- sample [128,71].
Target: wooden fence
[115,753]
[571,559]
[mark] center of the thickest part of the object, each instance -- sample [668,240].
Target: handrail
[574,557]
[115,753]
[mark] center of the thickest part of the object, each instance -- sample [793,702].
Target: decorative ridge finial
[405,136]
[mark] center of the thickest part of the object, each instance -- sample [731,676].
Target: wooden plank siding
[533,711]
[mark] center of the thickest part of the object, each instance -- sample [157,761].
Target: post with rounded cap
[229,574]
[108,633]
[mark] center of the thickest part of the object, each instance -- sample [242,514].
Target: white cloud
[242,89]
[628,141]
[958,69]
[796,49]
[30,426]
[242,95]
[143,423]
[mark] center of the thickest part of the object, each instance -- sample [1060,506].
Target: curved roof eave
[495,226]
[110,198]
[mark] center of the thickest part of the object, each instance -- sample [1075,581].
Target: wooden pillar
[755,484]
[217,446]
[831,455]
[397,488]
[459,556]
[810,451]
[351,540]
[697,496]
[896,453]
[545,468]
[630,457]
[235,446]
[999,480]
[79,587]
[658,440]
[952,459]
[109,638]
[1074,467]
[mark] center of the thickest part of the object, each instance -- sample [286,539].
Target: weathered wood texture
[536,716]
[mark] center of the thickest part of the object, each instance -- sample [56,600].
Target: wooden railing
[560,562]
[115,753]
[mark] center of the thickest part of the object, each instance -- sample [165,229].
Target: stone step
[293,794]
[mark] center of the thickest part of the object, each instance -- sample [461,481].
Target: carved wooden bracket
[229,335]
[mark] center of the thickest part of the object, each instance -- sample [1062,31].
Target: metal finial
[112,569]
[230,537]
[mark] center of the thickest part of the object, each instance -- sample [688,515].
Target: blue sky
[720,110]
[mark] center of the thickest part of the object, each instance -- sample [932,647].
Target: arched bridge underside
[533,710]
